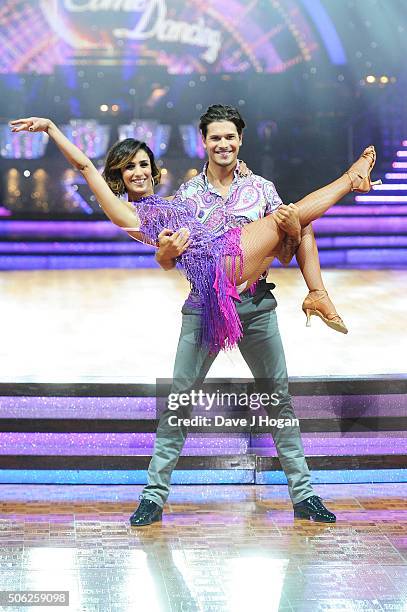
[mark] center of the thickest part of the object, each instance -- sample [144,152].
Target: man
[222,199]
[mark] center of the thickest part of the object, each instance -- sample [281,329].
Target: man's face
[222,143]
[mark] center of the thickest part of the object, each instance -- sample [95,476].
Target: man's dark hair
[219,112]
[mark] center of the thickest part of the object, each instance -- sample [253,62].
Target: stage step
[75,432]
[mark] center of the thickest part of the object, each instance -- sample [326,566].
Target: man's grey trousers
[262,349]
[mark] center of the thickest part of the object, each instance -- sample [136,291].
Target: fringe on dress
[204,265]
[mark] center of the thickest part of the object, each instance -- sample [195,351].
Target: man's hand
[288,219]
[171,245]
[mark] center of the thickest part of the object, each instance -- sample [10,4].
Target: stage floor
[219,548]
[123,325]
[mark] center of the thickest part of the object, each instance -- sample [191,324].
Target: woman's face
[137,176]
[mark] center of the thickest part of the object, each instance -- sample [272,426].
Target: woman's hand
[244,171]
[30,124]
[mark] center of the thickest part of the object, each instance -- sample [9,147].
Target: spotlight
[370,79]
[115,108]
[27,173]
[164,171]
[384,79]
[190,174]
[104,108]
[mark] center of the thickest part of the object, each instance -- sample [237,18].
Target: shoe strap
[331,316]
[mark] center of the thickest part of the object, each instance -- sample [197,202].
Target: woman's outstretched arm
[117,211]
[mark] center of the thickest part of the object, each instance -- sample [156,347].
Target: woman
[214,266]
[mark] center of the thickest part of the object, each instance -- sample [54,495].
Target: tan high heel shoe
[312,306]
[365,185]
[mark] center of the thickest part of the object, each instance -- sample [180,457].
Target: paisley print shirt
[249,198]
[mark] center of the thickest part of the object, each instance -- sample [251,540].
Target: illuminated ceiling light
[104,108]
[115,108]
[370,79]
[384,79]
[27,173]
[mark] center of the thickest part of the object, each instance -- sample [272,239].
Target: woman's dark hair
[219,112]
[119,156]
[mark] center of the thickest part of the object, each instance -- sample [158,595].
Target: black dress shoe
[313,508]
[148,512]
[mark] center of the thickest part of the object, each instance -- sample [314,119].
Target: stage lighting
[370,79]
[156,135]
[27,173]
[384,79]
[190,174]
[192,141]
[104,108]
[157,93]
[115,108]
[91,137]
[164,171]
[21,145]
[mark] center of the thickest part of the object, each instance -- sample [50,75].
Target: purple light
[390,187]
[91,137]
[112,444]
[361,225]
[399,164]
[364,210]
[192,141]
[368,198]
[156,135]
[327,31]
[401,153]
[353,443]
[404,143]
[396,175]
[21,145]
[92,248]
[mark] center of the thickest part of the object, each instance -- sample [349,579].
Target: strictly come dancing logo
[95,24]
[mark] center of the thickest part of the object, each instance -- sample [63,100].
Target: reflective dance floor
[219,548]
[123,325]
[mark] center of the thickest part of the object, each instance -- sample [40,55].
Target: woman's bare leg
[315,204]
[317,298]
[308,260]
[260,239]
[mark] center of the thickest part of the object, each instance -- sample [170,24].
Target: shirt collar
[205,167]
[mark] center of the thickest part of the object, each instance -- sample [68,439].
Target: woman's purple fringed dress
[203,264]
